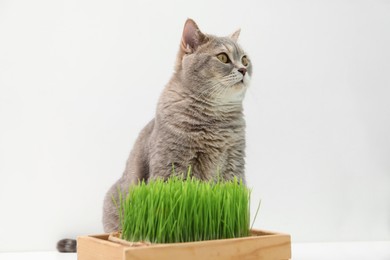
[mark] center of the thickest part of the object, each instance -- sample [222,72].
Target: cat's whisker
[211,91]
[217,90]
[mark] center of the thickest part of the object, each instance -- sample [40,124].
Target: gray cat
[199,118]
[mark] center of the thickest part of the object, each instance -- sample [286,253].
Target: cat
[199,119]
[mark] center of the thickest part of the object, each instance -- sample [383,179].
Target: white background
[79,79]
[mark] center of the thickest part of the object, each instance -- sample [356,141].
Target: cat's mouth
[240,84]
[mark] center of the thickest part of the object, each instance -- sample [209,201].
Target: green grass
[185,210]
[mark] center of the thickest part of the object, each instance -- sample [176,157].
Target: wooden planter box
[261,245]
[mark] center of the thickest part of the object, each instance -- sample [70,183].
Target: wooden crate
[261,245]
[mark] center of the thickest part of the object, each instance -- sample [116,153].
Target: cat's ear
[234,36]
[192,37]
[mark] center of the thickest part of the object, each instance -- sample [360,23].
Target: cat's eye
[245,61]
[223,57]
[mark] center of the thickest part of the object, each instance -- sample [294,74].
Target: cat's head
[214,69]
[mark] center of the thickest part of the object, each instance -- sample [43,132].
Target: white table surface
[300,251]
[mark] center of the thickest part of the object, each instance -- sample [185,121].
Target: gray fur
[67,245]
[198,122]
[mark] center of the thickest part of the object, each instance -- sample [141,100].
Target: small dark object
[67,246]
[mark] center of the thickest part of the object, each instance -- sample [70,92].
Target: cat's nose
[242,71]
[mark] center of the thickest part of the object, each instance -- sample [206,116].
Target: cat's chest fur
[209,139]
[219,149]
